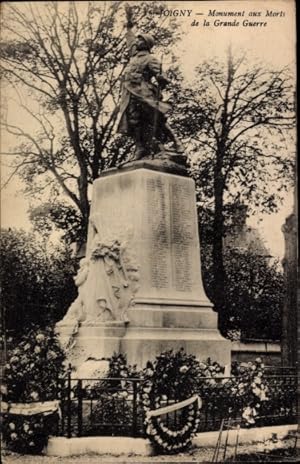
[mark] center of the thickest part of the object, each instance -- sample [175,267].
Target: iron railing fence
[225,397]
[280,370]
[105,406]
[113,406]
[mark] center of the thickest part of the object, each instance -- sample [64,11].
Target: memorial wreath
[171,407]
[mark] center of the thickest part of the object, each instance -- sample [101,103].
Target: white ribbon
[28,409]
[175,406]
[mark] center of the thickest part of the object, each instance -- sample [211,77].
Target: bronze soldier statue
[142,111]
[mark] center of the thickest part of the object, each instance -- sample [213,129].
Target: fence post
[62,402]
[134,409]
[79,407]
[69,404]
[58,396]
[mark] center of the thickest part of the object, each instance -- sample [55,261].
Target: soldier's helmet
[148,38]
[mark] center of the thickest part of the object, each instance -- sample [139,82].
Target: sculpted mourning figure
[77,310]
[142,111]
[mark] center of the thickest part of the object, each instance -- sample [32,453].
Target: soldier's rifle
[156,111]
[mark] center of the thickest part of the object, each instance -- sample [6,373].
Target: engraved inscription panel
[171,233]
[182,235]
[159,232]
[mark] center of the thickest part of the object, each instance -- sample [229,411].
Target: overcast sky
[274,44]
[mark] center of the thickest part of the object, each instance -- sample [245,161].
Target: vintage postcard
[148,231]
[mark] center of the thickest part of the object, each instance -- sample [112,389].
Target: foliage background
[254,292]
[36,281]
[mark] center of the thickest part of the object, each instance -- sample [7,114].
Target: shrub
[31,375]
[254,290]
[250,394]
[28,434]
[239,396]
[36,281]
[118,367]
[176,374]
[114,407]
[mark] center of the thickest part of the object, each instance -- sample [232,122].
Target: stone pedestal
[152,214]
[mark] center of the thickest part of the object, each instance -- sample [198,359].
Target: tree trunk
[217,252]
[289,310]
[82,180]
[84,202]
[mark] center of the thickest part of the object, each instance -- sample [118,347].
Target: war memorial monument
[140,288]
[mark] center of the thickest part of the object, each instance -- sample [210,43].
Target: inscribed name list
[172,233]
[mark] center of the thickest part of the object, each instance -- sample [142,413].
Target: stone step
[142,344]
[172,317]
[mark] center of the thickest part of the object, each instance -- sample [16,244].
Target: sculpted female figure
[109,293]
[76,312]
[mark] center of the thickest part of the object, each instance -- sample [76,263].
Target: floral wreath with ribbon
[167,439]
[171,420]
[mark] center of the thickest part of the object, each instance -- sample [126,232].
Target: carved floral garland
[163,437]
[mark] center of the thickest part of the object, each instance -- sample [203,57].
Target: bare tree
[70,61]
[238,119]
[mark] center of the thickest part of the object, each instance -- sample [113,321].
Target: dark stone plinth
[157,164]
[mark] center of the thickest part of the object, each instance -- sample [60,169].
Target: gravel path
[194,455]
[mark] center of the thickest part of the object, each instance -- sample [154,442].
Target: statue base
[143,344]
[149,208]
[168,164]
[156,327]
[97,341]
